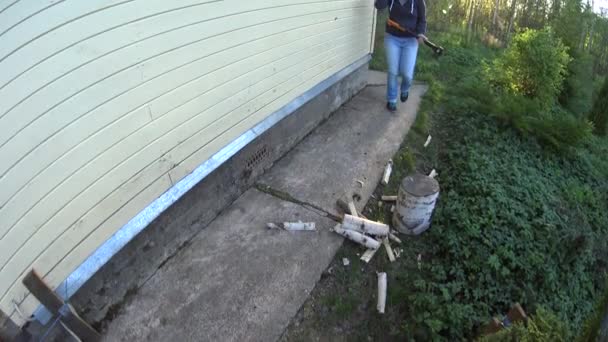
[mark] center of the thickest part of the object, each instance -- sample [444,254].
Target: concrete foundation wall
[104,294]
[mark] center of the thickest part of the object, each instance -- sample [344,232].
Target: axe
[437,49]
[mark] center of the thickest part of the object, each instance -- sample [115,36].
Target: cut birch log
[416,202]
[433,174]
[352,208]
[387,172]
[389,198]
[394,237]
[364,226]
[389,250]
[428,141]
[382,284]
[357,237]
[368,255]
[298,226]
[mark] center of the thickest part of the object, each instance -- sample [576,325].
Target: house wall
[105,104]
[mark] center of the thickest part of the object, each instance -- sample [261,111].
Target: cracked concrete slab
[354,144]
[235,281]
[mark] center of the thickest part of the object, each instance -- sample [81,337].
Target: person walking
[405,30]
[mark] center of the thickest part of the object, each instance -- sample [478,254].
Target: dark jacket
[411,15]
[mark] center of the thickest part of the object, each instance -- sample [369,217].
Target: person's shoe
[405,96]
[391,106]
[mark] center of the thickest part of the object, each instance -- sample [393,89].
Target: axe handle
[427,42]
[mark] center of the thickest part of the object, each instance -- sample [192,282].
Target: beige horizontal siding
[104,105]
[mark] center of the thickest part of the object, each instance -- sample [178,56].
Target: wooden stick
[352,208]
[389,250]
[368,255]
[299,226]
[381,292]
[47,297]
[387,172]
[428,141]
[345,209]
[389,198]
[394,237]
[364,226]
[357,237]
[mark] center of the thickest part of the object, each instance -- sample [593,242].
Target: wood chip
[389,250]
[394,237]
[368,255]
[428,141]
[382,284]
[299,226]
[352,209]
[387,172]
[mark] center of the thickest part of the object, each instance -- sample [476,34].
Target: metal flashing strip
[138,223]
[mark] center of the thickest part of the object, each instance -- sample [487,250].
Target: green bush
[544,326]
[534,65]
[525,82]
[599,113]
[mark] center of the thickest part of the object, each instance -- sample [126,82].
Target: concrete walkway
[237,280]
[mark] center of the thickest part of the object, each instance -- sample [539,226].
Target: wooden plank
[78,326]
[45,250]
[59,272]
[33,282]
[56,306]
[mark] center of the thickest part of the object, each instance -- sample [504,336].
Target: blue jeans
[401,58]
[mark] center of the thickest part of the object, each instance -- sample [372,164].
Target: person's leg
[393,55]
[408,62]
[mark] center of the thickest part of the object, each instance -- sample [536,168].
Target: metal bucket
[416,201]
